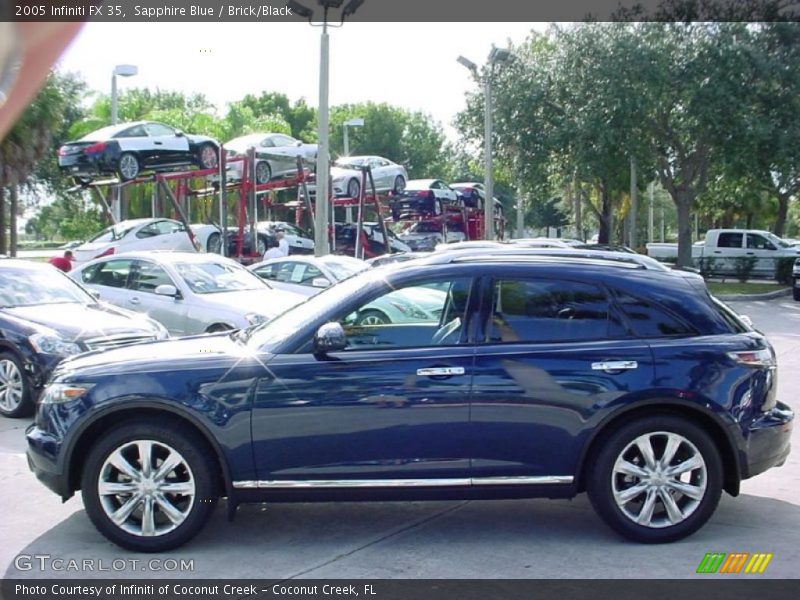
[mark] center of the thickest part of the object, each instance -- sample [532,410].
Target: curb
[767,296]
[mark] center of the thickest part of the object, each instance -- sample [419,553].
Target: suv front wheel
[657,479]
[149,487]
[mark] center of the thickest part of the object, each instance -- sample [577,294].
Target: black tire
[399,184]
[263,172]
[198,467]
[214,243]
[208,156]
[15,388]
[128,166]
[796,291]
[218,327]
[372,317]
[602,479]
[353,188]
[82,180]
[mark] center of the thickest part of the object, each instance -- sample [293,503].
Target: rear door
[729,249]
[552,353]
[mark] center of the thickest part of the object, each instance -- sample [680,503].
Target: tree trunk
[783,210]
[577,189]
[604,235]
[684,201]
[12,219]
[2,219]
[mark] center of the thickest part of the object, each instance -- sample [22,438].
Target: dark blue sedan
[533,376]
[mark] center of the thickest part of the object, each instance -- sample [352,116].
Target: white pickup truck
[726,245]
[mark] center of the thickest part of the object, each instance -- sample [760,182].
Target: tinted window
[148,277]
[547,311]
[159,228]
[648,319]
[430,314]
[267,271]
[135,131]
[113,273]
[729,240]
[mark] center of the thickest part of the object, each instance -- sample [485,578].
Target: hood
[267,302]
[196,352]
[77,322]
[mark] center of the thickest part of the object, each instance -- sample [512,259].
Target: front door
[392,408]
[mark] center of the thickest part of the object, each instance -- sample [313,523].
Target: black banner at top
[283,11]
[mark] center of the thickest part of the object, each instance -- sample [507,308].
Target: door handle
[750,253]
[158,143]
[439,371]
[615,365]
[134,301]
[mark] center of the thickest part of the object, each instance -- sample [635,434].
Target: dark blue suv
[493,377]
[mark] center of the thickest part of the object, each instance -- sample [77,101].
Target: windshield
[779,243]
[33,287]
[269,336]
[425,227]
[217,277]
[343,267]
[351,162]
[113,233]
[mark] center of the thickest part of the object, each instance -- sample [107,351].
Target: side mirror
[94,294]
[329,338]
[179,133]
[298,143]
[320,282]
[166,289]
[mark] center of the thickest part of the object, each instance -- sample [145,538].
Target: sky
[411,65]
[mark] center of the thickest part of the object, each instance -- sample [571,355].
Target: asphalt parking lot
[466,539]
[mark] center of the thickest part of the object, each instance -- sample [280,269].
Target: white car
[135,234]
[276,155]
[425,235]
[188,293]
[387,175]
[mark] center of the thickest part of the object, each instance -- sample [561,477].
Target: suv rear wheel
[656,479]
[149,487]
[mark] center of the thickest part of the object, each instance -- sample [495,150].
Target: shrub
[783,269]
[743,267]
[707,265]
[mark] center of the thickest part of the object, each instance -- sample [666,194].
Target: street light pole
[321,238]
[495,56]
[322,200]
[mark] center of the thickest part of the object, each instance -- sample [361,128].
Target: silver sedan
[187,293]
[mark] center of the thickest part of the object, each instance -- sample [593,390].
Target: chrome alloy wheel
[128,166]
[11,386]
[659,479]
[146,488]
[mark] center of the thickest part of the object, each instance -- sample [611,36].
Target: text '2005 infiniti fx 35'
[536,376]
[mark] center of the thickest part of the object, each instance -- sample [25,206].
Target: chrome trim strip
[522,480]
[401,483]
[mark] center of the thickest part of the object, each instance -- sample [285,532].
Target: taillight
[754,358]
[108,252]
[95,148]
[425,194]
[63,151]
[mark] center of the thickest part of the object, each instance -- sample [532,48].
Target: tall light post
[321,203]
[122,71]
[495,56]
[350,123]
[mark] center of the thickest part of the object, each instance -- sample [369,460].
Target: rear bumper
[85,165]
[768,441]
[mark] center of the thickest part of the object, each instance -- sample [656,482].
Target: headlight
[56,393]
[255,318]
[52,344]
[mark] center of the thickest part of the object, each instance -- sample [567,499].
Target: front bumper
[768,441]
[42,453]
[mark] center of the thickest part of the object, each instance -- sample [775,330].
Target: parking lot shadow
[475,539]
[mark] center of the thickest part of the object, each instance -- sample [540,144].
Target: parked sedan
[540,378]
[187,293]
[424,196]
[276,155]
[127,149]
[133,235]
[45,316]
[425,235]
[473,194]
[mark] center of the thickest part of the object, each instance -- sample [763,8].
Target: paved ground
[488,539]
